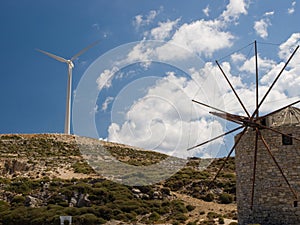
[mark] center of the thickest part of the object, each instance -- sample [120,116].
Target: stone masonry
[274,202]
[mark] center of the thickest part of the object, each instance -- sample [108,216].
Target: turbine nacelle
[70,63]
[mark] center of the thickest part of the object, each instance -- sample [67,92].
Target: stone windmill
[267,159]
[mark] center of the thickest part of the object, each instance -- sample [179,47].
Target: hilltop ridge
[58,155]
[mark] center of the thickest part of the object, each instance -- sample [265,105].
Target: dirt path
[202,208]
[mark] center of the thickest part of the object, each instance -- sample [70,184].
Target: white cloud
[271,13]
[163,119]
[106,103]
[286,89]
[144,20]
[234,9]
[203,37]
[286,48]
[151,16]
[105,78]
[289,82]
[138,20]
[261,28]
[163,30]
[142,52]
[237,57]
[292,9]
[206,10]
[263,64]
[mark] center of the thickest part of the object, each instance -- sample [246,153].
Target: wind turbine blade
[278,166]
[274,82]
[222,135]
[232,88]
[254,168]
[229,154]
[84,50]
[52,56]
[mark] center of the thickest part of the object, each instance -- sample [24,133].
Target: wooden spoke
[215,138]
[276,131]
[208,106]
[274,82]
[278,110]
[232,88]
[256,74]
[278,166]
[230,117]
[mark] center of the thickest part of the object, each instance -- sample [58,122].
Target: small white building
[65,218]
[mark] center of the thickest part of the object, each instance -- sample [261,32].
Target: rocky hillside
[43,176]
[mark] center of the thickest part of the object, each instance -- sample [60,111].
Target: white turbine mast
[69,87]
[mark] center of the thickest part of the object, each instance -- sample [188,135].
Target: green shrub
[18,200]
[178,207]
[82,167]
[212,215]
[82,188]
[225,198]
[87,219]
[209,197]
[221,220]
[154,217]
[192,223]
[166,190]
[190,207]
[233,223]
[180,217]
[3,205]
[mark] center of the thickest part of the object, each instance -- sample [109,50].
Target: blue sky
[33,86]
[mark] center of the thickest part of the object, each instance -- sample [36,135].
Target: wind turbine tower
[70,64]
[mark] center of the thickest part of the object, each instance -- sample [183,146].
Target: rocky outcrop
[12,166]
[32,202]
[83,201]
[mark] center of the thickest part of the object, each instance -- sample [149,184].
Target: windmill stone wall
[274,202]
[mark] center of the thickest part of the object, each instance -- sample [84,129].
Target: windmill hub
[243,120]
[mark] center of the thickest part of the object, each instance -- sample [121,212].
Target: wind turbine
[69,87]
